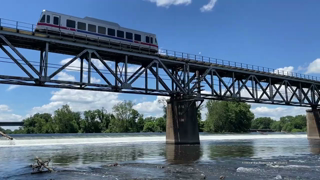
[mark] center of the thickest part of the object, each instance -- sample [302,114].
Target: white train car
[94,29]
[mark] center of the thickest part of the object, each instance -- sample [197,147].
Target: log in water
[6,136]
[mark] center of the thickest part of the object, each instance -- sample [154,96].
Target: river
[147,156]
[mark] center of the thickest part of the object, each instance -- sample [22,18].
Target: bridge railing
[17,25]
[187,56]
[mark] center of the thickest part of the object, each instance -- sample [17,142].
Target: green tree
[299,122]
[199,118]
[66,121]
[104,119]
[275,126]
[90,123]
[290,124]
[149,126]
[116,126]
[160,125]
[140,124]
[288,127]
[127,117]
[228,116]
[262,123]
[38,123]
[201,125]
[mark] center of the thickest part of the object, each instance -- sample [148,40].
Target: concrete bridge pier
[182,123]
[313,123]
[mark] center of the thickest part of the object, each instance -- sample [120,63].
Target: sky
[271,33]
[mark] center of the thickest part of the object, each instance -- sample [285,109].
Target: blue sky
[270,33]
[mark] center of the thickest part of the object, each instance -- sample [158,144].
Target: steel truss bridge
[172,73]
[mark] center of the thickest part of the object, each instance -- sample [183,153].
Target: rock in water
[203,176]
[278,177]
[222,177]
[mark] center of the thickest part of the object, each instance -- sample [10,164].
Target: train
[96,29]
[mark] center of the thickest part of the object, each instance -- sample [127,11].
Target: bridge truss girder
[184,78]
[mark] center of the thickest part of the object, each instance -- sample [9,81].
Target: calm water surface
[145,155]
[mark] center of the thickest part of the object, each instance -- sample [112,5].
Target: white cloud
[11,87]
[168,3]
[65,77]
[301,68]
[92,79]
[98,63]
[75,66]
[314,67]
[4,108]
[95,80]
[277,112]
[209,6]
[10,117]
[78,100]
[285,70]
[133,68]
[47,108]
[150,108]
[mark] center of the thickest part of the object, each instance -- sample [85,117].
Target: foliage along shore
[222,117]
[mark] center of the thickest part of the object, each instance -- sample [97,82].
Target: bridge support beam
[313,123]
[182,123]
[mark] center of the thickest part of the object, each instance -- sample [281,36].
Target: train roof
[101,22]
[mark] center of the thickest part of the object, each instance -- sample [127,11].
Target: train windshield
[155,39]
[43,18]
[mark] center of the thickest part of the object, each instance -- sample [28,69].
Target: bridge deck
[73,46]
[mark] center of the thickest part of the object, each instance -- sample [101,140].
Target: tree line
[287,123]
[221,117]
[123,119]
[231,116]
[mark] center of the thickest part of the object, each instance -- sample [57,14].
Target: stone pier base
[313,123]
[182,123]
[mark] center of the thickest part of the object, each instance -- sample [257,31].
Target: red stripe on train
[56,26]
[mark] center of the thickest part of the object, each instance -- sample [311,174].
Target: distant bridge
[188,79]
[11,124]
[261,130]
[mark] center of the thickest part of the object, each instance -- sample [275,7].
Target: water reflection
[183,154]
[231,149]
[314,145]
[97,154]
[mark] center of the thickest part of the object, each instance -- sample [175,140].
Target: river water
[147,156]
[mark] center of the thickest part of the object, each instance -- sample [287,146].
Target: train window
[92,28]
[71,23]
[43,19]
[82,26]
[56,20]
[111,32]
[151,40]
[101,30]
[120,34]
[128,35]
[137,37]
[155,39]
[48,19]
[147,39]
